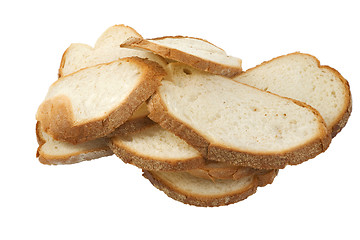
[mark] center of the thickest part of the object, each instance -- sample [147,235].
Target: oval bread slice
[301,77]
[186,188]
[154,148]
[195,52]
[233,122]
[54,152]
[92,102]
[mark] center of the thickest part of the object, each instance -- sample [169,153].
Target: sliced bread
[154,148]
[195,52]
[301,77]
[107,49]
[201,192]
[94,101]
[54,152]
[233,122]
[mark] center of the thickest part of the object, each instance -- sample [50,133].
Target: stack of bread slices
[203,131]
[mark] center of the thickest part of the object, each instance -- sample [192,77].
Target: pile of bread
[203,130]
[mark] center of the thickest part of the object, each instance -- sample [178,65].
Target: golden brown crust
[259,179]
[265,177]
[57,117]
[159,114]
[183,57]
[344,115]
[62,63]
[127,155]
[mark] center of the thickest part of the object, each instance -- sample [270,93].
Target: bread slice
[107,49]
[94,101]
[301,77]
[154,148]
[54,152]
[195,52]
[232,122]
[201,192]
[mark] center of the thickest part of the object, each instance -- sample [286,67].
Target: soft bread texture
[195,52]
[154,148]
[301,77]
[201,192]
[53,152]
[94,101]
[107,49]
[232,122]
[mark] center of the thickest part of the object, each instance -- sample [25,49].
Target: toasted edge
[57,117]
[344,115]
[67,158]
[183,57]
[259,179]
[297,155]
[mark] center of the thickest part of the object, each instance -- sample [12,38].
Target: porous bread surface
[198,47]
[238,116]
[156,142]
[301,77]
[107,49]
[96,91]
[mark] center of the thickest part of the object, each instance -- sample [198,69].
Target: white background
[106,199]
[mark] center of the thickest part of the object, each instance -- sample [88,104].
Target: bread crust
[160,114]
[183,57]
[56,113]
[345,113]
[67,158]
[153,164]
[258,179]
